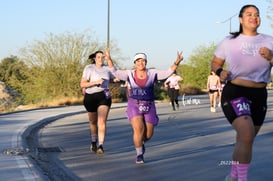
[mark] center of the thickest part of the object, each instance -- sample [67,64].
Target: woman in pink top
[213,86]
[248,56]
[172,84]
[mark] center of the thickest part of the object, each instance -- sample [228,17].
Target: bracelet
[218,71]
[176,63]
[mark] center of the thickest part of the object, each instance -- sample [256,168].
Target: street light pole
[229,19]
[108,25]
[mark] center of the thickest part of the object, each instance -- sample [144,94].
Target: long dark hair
[93,56]
[235,34]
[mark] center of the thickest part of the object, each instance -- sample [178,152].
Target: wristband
[218,71]
[176,63]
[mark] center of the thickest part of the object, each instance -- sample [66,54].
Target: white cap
[140,55]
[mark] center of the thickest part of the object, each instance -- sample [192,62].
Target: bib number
[143,107]
[241,106]
[107,93]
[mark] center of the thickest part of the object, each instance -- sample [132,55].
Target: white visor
[140,55]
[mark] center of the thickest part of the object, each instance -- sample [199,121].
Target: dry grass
[57,102]
[67,101]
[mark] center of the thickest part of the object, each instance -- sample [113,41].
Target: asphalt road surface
[190,144]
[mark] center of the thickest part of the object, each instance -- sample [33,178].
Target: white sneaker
[212,109]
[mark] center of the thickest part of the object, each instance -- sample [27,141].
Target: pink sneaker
[230,179]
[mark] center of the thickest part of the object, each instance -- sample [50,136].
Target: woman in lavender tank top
[248,55]
[141,110]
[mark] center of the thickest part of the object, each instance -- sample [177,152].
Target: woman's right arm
[85,83]
[217,66]
[120,74]
[208,82]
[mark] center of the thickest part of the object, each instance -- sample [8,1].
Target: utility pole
[108,25]
[229,19]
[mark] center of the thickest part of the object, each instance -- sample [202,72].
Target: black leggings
[256,96]
[173,94]
[93,101]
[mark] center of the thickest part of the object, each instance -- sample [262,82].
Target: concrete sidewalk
[15,127]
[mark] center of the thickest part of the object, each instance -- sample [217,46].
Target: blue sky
[157,27]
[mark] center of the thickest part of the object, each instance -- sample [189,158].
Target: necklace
[141,74]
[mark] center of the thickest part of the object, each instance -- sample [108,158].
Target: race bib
[107,93]
[241,106]
[143,107]
[213,87]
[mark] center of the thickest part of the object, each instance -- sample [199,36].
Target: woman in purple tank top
[141,110]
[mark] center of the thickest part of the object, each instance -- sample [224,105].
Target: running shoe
[230,179]
[93,147]
[140,159]
[100,150]
[212,109]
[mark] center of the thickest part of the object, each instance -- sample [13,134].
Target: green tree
[196,71]
[7,68]
[56,65]
[13,73]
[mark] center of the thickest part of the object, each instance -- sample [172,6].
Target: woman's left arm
[179,58]
[267,54]
[108,58]
[163,74]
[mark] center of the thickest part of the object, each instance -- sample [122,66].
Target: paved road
[188,145]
